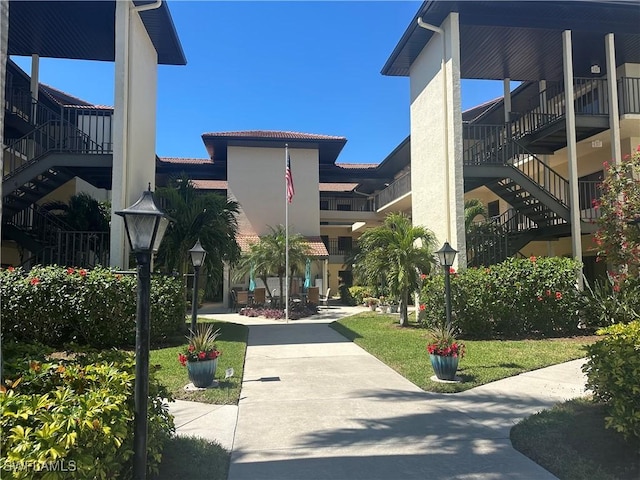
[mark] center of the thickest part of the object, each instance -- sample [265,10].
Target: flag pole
[286,234]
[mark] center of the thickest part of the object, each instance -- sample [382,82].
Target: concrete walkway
[316,406]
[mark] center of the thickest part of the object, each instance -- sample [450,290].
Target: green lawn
[232,342]
[571,442]
[404,350]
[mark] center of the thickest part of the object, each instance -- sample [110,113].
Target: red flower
[191,348]
[213,354]
[548,293]
[10,268]
[182,359]
[452,270]
[539,299]
[558,296]
[423,276]
[422,307]
[616,288]
[34,281]
[70,271]
[202,355]
[82,272]
[533,258]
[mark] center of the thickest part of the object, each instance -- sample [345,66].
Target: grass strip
[404,350]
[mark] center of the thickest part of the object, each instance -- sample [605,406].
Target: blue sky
[310,67]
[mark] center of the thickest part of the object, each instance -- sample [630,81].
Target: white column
[506,89]
[35,74]
[612,90]
[118,252]
[226,282]
[574,205]
[4,30]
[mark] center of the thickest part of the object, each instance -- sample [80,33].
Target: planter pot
[202,373]
[444,367]
[393,308]
[373,307]
[384,308]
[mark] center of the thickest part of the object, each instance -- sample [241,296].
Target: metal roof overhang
[522,40]
[84,30]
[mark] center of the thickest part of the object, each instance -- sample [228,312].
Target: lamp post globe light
[198,254]
[145,225]
[446,257]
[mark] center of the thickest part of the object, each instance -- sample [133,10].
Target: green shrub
[613,374]
[345,295]
[360,293]
[73,418]
[516,298]
[615,300]
[55,305]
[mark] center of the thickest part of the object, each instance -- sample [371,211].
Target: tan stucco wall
[255,178]
[436,139]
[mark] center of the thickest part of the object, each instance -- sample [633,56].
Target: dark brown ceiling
[84,30]
[522,40]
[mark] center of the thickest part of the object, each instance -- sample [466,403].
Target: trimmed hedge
[613,374]
[516,298]
[73,418]
[56,305]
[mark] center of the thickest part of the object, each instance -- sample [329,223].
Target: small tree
[617,238]
[400,250]
[268,257]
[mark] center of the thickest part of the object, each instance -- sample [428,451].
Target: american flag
[289,178]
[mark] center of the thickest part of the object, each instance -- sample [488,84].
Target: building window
[493,209]
[344,245]
[324,204]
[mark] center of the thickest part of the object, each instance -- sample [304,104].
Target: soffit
[84,30]
[523,40]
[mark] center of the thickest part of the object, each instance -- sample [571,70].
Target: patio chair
[313,295]
[259,296]
[325,299]
[240,299]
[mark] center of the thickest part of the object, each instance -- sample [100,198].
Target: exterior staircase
[53,152]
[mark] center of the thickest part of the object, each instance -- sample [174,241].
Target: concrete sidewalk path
[316,406]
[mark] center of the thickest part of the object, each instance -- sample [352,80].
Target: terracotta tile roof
[357,165]
[337,187]
[192,161]
[316,246]
[67,100]
[210,184]
[272,134]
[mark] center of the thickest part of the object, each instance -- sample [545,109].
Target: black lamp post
[446,256]
[198,255]
[145,225]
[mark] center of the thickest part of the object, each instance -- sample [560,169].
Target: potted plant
[384,306]
[393,305]
[200,356]
[371,302]
[444,351]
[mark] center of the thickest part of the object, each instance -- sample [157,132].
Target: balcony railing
[341,204]
[629,95]
[337,246]
[397,189]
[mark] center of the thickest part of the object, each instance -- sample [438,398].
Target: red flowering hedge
[55,305]
[515,298]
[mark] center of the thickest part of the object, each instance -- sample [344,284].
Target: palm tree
[268,258]
[83,213]
[473,208]
[209,217]
[400,250]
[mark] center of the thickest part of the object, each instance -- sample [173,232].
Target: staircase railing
[590,98]
[493,145]
[492,241]
[53,136]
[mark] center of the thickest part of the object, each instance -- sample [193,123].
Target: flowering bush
[617,239]
[442,341]
[201,346]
